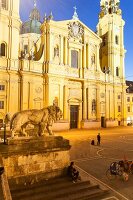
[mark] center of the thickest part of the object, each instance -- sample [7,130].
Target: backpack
[92,142]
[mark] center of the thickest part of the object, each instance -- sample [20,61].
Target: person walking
[98,139]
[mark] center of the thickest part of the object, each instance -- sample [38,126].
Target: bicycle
[114,171]
[121,168]
[126,166]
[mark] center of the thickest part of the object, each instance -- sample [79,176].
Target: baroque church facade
[64,63]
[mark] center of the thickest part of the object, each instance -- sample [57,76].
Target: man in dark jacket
[98,139]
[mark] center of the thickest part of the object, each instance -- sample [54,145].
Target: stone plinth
[36,158]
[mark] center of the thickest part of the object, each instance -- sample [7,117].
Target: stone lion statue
[43,119]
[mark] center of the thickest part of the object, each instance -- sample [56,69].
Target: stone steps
[57,189]
[1,192]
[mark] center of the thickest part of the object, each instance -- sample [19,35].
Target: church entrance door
[73,116]
[103,122]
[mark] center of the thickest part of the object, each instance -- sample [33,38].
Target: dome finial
[75,15]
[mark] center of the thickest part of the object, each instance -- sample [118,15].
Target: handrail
[4,183]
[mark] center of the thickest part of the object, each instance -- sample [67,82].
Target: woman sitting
[73,173]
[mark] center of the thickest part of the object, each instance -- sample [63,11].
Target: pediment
[77,26]
[74,100]
[38,99]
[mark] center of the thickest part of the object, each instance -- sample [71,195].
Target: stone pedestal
[32,159]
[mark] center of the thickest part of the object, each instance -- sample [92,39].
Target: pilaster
[66,51]
[84,102]
[84,56]
[98,103]
[62,49]
[89,103]
[80,63]
[65,103]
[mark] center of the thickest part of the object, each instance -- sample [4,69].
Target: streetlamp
[6,121]
[106,71]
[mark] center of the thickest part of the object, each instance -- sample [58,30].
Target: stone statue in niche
[43,119]
[93,105]
[92,59]
[56,51]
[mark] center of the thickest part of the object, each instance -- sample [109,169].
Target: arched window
[116,39]
[117,71]
[4,4]
[74,59]
[3,49]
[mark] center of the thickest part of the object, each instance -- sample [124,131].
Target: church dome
[33,24]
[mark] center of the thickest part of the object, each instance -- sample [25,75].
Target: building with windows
[64,63]
[129,98]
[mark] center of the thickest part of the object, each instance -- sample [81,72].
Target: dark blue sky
[88,11]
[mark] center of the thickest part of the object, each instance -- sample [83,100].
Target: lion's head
[55,112]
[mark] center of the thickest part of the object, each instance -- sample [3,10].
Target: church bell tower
[9,30]
[110,29]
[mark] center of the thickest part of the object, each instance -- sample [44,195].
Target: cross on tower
[75,15]
[34,3]
[75,8]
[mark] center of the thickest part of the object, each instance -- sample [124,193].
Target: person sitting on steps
[1,170]
[73,173]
